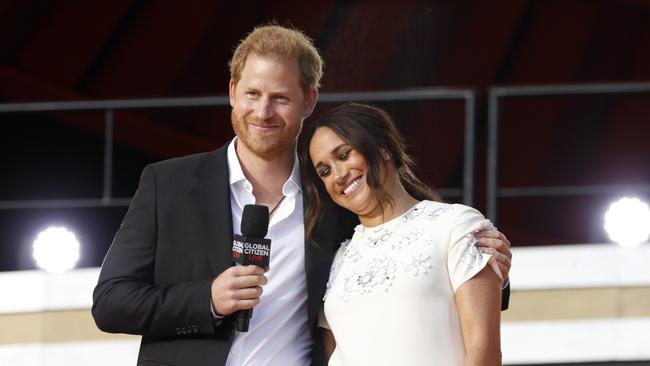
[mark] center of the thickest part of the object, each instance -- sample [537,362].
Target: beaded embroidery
[368,263]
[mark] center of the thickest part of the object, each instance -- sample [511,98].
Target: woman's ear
[385,154]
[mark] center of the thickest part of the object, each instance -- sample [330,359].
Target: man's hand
[495,243]
[238,287]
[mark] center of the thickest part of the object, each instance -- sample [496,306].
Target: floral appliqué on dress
[374,256]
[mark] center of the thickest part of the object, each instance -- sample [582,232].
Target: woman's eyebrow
[334,151]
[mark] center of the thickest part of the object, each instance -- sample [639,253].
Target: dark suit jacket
[175,239]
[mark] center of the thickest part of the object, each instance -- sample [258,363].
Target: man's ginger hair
[278,41]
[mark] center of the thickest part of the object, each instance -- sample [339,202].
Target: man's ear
[310,102]
[231,92]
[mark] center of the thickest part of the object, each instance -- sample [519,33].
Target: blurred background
[537,112]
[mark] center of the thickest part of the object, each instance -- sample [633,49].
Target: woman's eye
[345,155]
[324,172]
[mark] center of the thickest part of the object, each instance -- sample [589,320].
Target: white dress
[390,296]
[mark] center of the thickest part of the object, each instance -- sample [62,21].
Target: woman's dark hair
[369,130]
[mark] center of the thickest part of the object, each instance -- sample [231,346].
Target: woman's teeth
[355,183]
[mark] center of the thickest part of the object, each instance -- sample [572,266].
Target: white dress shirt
[278,332]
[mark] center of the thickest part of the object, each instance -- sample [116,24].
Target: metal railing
[496,94]
[109,106]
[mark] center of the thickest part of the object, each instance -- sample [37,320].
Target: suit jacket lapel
[212,197]
[318,259]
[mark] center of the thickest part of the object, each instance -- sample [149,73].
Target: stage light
[56,250]
[628,221]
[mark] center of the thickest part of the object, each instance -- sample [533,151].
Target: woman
[410,287]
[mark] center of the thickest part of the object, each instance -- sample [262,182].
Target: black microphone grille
[255,221]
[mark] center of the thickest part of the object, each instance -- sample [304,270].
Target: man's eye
[324,172]
[251,94]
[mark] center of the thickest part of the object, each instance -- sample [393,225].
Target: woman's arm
[479,306]
[329,343]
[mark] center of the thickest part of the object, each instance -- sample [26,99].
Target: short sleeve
[322,320]
[464,259]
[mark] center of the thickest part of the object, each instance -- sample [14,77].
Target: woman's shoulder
[455,208]
[450,213]
[439,209]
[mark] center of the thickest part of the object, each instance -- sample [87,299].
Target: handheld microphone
[251,248]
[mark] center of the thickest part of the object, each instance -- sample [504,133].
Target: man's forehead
[253,75]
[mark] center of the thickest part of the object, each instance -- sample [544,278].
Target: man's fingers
[238,287]
[247,270]
[489,234]
[494,234]
[248,281]
[247,304]
[490,242]
[501,258]
[497,244]
[245,298]
[249,293]
[505,270]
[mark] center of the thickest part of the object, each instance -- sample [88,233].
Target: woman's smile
[352,186]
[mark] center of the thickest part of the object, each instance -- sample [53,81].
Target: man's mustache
[265,122]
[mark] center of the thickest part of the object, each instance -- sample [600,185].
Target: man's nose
[264,109]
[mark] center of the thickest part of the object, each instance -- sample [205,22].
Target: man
[168,275]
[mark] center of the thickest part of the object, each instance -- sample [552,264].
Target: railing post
[492,188]
[470,149]
[108,156]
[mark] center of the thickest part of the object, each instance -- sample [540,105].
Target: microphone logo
[247,250]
